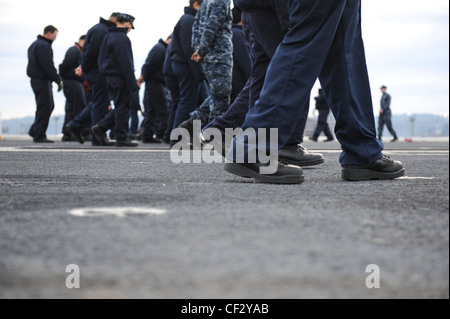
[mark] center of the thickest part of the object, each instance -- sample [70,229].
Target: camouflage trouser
[219,78]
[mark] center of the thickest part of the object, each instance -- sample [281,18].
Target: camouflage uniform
[212,38]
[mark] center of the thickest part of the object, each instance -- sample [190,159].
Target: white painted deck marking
[121,212]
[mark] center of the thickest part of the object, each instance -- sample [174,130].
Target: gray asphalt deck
[216,235]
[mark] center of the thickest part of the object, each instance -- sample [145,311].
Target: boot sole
[355,174]
[242,171]
[301,163]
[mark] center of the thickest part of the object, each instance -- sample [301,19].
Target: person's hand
[79,71]
[381,112]
[196,57]
[140,81]
[60,86]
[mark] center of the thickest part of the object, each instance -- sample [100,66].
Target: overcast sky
[407,46]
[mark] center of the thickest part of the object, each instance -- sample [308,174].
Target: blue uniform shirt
[116,57]
[212,32]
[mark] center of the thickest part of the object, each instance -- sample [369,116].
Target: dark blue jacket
[70,63]
[167,68]
[153,67]
[386,102]
[40,61]
[116,57]
[279,6]
[91,48]
[182,50]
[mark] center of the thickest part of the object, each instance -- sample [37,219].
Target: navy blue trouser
[100,96]
[119,118]
[238,82]
[385,119]
[322,125]
[156,113]
[324,42]
[265,37]
[83,120]
[189,92]
[44,107]
[134,121]
[172,85]
[75,101]
[98,107]
[219,76]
